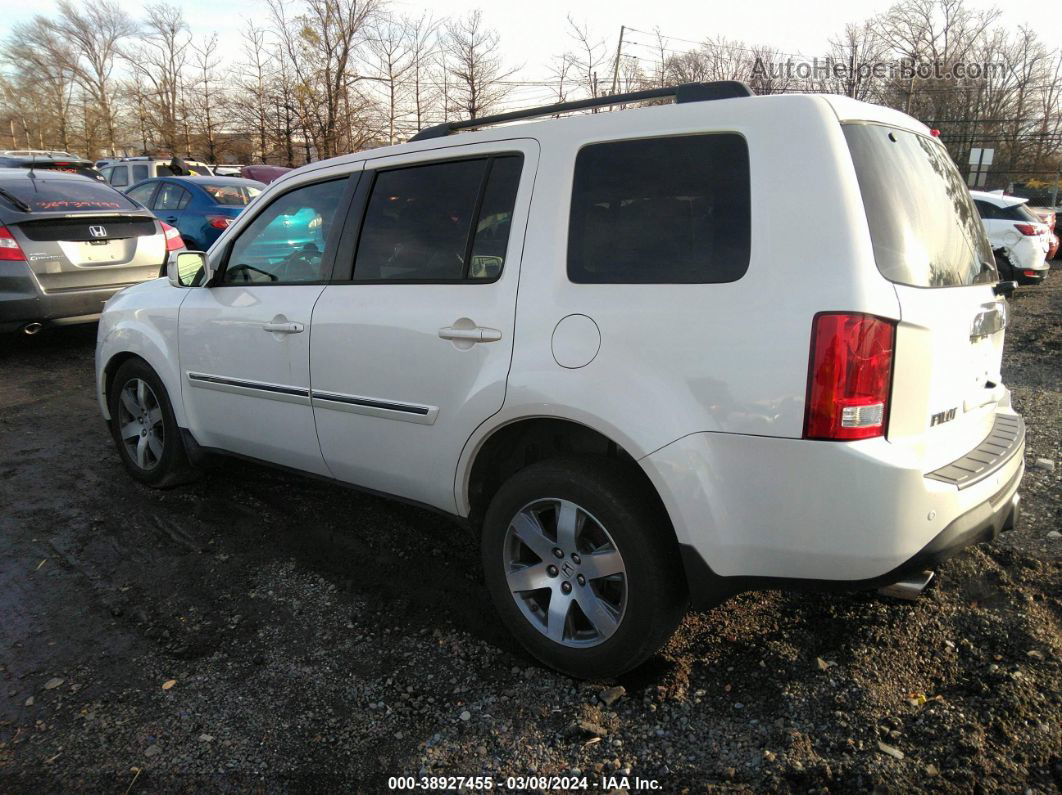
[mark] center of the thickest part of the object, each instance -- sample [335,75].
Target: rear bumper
[763,512]
[23,303]
[980,524]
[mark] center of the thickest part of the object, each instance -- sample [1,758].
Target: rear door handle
[284,328]
[474,334]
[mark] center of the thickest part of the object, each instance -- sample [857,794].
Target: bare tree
[41,68]
[159,59]
[475,65]
[320,47]
[588,57]
[205,62]
[93,32]
[392,59]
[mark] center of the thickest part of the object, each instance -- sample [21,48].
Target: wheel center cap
[567,569]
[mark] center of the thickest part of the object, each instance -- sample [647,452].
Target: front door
[411,353]
[244,340]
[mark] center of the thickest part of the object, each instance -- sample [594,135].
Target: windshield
[231,195]
[923,224]
[67,195]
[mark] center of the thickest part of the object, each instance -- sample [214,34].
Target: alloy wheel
[565,572]
[140,424]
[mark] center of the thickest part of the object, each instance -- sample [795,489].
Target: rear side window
[140,173]
[119,176]
[923,224]
[172,197]
[440,222]
[661,210]
[68,195]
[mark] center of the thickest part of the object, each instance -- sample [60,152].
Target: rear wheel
[1004,268]
[582,567]
[145,429]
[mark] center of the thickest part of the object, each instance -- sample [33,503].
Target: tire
[618,514]
[156,456]
[1004,268]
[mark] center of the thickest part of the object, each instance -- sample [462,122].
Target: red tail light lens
[174,241]
[10,250]
[1027,229]
[850,376]
[219,221]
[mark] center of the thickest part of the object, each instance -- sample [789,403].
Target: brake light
[1030,273]
[10,250]
[1027,229]
[174,241]
[219,221]
[849,377]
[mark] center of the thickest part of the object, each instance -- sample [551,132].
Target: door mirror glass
[187,269]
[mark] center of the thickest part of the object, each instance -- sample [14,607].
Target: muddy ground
[317,638]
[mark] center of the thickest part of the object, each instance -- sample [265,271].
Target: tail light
[1030,273]
[174,241]
[219,221]
[850,376]
[1031,230]
[10,250]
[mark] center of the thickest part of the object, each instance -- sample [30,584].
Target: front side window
[285,243]
[439,222]
[142,193]
[671,210]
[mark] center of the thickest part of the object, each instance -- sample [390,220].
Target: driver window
[286,242]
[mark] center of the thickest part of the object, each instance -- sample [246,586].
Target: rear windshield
[923,224]
[67,195]
[231,195]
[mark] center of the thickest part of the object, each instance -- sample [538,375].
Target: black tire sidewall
[655,585]
[172,461]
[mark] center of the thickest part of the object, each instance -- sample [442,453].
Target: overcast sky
[532,33]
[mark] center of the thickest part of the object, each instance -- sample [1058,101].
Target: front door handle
[284,328]
[474,334]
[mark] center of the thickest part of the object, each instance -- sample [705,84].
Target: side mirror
[187,269]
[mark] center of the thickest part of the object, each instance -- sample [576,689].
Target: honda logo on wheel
[98,231]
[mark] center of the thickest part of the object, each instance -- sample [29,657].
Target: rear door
[412,352]
[929,242]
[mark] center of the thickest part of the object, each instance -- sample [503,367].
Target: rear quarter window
[670,210]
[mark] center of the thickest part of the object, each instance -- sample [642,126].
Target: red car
[264,174]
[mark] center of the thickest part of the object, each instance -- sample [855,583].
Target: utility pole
[619,54]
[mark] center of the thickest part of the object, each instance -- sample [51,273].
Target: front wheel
[581,564]
[145,429]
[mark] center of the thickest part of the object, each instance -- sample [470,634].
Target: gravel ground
[262,630]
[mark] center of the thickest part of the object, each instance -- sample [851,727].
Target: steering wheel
[308,257]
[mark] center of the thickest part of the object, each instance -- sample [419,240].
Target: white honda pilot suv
[654,357]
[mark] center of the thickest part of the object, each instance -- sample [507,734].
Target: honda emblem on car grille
[98,231]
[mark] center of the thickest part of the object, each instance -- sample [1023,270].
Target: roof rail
[686,92]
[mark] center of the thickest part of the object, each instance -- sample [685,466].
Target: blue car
[200,208]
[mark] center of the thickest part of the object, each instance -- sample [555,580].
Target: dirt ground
[262,630]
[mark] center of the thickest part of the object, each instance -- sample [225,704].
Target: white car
[124,172]
[1019,239]
[608,345]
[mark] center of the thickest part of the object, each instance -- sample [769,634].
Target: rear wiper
[15,200]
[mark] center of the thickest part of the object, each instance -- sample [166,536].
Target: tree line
[310,79]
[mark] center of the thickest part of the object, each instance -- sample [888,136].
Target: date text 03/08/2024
[523,783]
